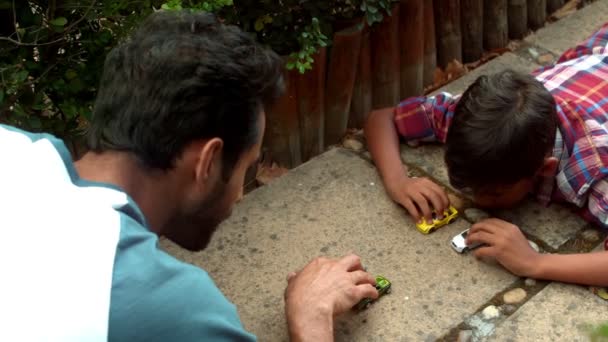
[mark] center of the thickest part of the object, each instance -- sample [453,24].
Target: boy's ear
[549,167]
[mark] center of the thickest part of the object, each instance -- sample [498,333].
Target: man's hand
[506,244]
[322,290]
[419,196]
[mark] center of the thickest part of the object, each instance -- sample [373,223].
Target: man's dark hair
[503,128]
[183,76]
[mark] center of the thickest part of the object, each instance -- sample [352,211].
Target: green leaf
[1,96]
[21,76]
[34,122]
[372,9]
[59,21]
[71,74]
[259,24]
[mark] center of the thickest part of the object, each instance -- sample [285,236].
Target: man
[178,119]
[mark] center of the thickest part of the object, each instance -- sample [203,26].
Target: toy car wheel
[388,290]
[451,221]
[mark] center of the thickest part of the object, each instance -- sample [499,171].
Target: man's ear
[549,167]
[209,157]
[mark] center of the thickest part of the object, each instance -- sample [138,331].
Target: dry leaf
[267,174]
[569,8]
[439,77]
[454,70]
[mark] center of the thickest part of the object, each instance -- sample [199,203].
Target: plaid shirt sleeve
[596,209]
[425,119]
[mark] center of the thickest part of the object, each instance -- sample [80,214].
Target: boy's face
[503,196]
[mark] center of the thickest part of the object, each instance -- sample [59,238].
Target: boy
[511,134]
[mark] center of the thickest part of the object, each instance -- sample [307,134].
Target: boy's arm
[506,244]
[416,119]
[587,268]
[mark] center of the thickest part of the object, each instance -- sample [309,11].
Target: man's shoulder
[157,297]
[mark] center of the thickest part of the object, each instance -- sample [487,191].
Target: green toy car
[383,286]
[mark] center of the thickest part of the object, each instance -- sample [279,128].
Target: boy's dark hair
[183,76]
[503,128]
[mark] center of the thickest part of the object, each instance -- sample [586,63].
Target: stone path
[335,204]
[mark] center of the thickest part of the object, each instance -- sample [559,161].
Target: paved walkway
[335,204]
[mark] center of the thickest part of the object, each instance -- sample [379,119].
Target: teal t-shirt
[84,266]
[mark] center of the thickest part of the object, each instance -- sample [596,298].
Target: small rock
[508,309]
[465,335]
[490,312]
[591,235]
[476,215]
[534,246]
[353,144]
[514,296]
[530,282]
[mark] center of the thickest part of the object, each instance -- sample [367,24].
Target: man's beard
[193,228]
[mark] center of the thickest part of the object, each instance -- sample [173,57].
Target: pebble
[476,215]
[508,309]
[514,296]
[591,235]
[530,282]
[490,312]
[534,246]
[465,336]
[545,59]
[353,144]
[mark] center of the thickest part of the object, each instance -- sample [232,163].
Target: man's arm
[321,291]
[505,243]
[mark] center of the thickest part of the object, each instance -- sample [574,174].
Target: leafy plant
[599,334]
[310,39]
[51,56]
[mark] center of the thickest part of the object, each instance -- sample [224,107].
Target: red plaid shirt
[579,84]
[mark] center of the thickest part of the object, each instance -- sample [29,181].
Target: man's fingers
[367,291]
[351,262]
[362,277]
[291,275]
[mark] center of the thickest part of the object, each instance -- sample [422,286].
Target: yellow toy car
[449,216]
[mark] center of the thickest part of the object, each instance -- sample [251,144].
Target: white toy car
[459,243]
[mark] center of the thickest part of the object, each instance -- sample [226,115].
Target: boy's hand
[419,196]
[506,244]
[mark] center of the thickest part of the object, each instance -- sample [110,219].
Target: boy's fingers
[435,200]
[480,237]
[423,204]
[411,208]
[443,196]
[484,252]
